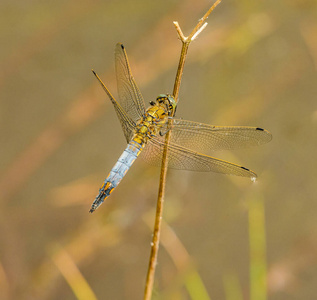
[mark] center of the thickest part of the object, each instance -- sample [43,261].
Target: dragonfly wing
[127,123]
[130,97]
[184,159]
[203,138]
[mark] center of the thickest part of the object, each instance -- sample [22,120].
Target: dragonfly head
[168,101]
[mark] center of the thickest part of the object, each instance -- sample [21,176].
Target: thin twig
[179,31]
[160,201]
[203,19]
[199,31]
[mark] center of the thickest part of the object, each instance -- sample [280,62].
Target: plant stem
[157,225]
[160,201]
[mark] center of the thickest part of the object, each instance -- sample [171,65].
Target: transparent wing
[203,138]
[127,123]
[130,97]
[184,159]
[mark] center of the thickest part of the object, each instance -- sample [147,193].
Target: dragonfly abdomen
[116,174]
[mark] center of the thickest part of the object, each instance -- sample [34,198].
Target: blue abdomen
[122,166]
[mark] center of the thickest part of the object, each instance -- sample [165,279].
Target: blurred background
[223,237]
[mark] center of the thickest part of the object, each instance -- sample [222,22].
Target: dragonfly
[145,129]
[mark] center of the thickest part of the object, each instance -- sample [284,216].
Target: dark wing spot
[244,168]
[259,129]
[122,46]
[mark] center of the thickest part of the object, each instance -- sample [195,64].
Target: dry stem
[160,201]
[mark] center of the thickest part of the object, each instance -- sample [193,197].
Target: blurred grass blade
[182,260]
[196,287]
[232,286]
[73,276]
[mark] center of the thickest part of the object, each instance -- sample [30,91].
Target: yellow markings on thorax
[156,112]
[150,125]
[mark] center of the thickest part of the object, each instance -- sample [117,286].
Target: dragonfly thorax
[166,100]
[151,124]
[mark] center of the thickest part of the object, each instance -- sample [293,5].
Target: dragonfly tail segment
[104,192]
[122,166]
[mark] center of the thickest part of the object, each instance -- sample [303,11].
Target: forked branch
[201,25]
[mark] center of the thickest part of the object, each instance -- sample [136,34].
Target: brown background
[255,64]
